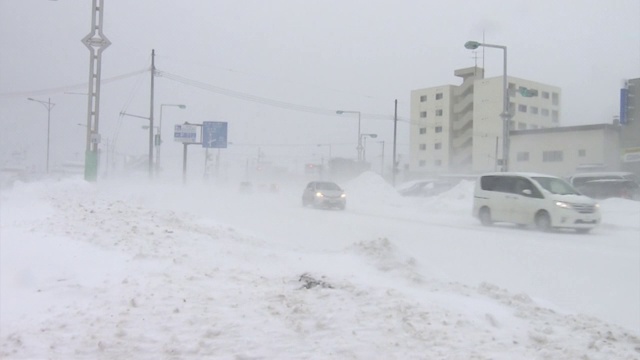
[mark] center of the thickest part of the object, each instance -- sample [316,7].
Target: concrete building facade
[458,129]
[630,124]
[564,151]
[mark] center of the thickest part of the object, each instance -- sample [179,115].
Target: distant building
[630,123]
[564,151]
[458,128]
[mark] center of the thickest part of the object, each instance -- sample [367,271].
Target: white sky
[328,55]
[114,270]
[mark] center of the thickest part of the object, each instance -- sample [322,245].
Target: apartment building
[458,128]
[630,123]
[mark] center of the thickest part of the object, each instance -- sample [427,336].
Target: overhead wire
[262,100]
[67,88]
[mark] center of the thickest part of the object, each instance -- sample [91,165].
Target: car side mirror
[527,192]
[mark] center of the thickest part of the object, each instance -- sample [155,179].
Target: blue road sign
[214,134]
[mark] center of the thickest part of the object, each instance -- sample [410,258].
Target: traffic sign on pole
[214,134]
[185,133]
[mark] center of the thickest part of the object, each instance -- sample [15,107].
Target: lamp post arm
[138,116]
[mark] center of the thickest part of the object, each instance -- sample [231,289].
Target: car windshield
[556,186]
[327,186]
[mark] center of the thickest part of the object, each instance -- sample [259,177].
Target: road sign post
[214,134]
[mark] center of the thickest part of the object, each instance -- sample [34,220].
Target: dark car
[428,187]
[324,194]
[610,188]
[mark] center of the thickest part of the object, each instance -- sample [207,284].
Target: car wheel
[543,221]
[485,216]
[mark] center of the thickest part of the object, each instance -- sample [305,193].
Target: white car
[543,201]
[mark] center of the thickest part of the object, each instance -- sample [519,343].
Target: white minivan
[544,201]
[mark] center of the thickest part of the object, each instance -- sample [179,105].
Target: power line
[63,89]
[259,99]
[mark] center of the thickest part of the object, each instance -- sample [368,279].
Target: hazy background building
[458,129]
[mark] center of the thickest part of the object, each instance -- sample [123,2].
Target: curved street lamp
[158,140]
[359,148]
[506,116]
[365,136]
[48,105]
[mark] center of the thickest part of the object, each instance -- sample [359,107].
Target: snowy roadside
[87,274]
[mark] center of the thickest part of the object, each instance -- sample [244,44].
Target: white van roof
[520,173]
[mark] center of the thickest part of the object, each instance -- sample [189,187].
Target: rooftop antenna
[475,62]
[484,42]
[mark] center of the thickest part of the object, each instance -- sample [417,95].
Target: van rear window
[497,183]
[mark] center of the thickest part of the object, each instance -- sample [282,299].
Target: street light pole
[48,105]
[359,148]
[382,160]
[373,136]
[159,135]
[122,113]
[505,115]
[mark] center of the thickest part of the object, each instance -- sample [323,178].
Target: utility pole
[382,161]
[96,43]
[394,168]
[153,73]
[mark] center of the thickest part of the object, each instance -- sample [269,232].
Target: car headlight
[319,194]
[563,204]
[343,195]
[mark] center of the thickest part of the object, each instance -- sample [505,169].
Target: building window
[439,112]
[439,96]
[552,156]
[554,116]
[533,126]
[555,99]
[522,108]
[512,107]
[545,112]
[545,94]
[522,126]
[522,156]
[533,110]
[582,153]
[512,124]
[423,131]
[437,146]
[438,129]
[423,147]
[423,114]
[423,98]
[438,163]
[422,163]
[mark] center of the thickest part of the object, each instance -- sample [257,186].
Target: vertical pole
[360,155]
[159,142]
[96,43]
[206,163]
[382,161]
[48,131]
[153,70]
[218,164]
[507,125]
[184,163]
[395,130]
[495,159]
